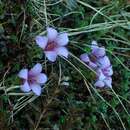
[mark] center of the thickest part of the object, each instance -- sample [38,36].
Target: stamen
[50,46]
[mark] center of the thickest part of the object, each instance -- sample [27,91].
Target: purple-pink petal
[99,52]
[108,71]
[85,58]
[36,88]
[51,55]
[100,74]
[41,78]
[41,41]
[92,65]
[62,51]
[25,87]
[23,74]
[104,62]
[99,83]
[108,82]
[51,34]
[36,69]
[62,39]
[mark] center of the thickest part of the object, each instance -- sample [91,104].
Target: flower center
[31,79]
[50,46]
[93,58]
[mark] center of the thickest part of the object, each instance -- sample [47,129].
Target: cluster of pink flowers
[99,62]
[53,45]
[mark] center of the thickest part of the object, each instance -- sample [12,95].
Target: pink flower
[53,44]
[32,79]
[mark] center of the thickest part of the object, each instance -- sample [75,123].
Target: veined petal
[25,87]
[36,69]
[23,74]
[92,65]
[108,71]
[99,52]
[104,62]
[62,39]
[84,57]
[36,88]
[41,41]
[51,34]
[99,83]
[51,55]
[62,51]
[100,75]
[41,78]
[108,82]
